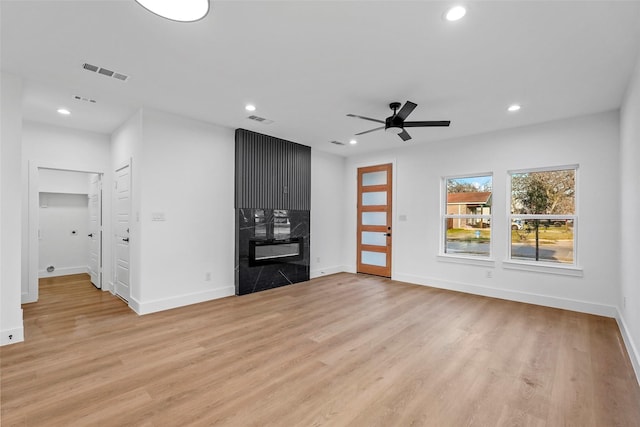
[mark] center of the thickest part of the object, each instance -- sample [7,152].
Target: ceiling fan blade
[365,118]
[427,123]
[406,109]
[371,130]
[404,135]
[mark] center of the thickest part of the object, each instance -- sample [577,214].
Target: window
[543,216]
[467,216]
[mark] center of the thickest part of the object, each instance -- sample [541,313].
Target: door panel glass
[375,238]
[374,198]
[374,218]
[374,258]
[374,178]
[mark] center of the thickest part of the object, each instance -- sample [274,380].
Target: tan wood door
[374,220]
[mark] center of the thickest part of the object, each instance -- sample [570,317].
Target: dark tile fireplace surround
[273,249]
[273,185]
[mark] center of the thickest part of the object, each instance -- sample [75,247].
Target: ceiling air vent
[89,67]
[260,120]
[105,72]
[82,98]
[337,142]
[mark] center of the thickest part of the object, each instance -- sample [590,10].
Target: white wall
[64,225]
[591,141]
[185,170]
[11,328]
[63,207]
[53,147]
[327,213]
[628,216]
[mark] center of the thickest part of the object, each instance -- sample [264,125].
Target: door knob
[90,235]
[125,239]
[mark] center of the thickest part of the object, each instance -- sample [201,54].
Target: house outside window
[466,219]
[543,216]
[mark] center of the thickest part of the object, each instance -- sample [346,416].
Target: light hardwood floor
[343,350]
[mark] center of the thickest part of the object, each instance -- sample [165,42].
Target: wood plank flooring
[342,350]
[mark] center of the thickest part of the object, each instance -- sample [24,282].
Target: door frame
[353,243]
[30,292]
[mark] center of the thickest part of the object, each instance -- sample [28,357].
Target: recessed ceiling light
[64,111]
[455,13]
[250,107]
[514,107]
[177,10]
[353,142]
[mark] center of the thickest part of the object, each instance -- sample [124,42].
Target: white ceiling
[306,64]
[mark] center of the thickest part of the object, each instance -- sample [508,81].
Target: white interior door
[95,229]
[123,207]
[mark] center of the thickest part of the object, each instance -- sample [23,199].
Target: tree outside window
[543,215]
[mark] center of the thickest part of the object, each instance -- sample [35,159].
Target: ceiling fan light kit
[177,10]
[396,122]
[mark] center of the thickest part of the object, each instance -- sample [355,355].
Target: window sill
[459,259]
[562,270]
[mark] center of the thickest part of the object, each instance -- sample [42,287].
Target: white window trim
[467,259]
[485,261]
[573,269]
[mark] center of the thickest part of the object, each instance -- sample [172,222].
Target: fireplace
[273,202]
[263,252]
[272,249]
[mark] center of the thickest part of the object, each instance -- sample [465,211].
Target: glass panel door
[374,220]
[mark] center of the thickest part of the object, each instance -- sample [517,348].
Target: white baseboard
[632,350]
[108,286]
[529,298]
[27,298]
[12,336]
[63,271]
[326,271]
[350,269]
[147,307]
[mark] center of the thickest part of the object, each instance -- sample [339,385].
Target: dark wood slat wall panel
[265,166]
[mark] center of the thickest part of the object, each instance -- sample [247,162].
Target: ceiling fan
[396,122]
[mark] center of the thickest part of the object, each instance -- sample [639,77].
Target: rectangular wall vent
[337,142]
[105,72]
[260,120]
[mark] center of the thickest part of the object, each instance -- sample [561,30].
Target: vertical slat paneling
[265,166]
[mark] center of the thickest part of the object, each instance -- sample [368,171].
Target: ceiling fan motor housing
[393,124]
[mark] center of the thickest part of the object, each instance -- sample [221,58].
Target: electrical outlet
[489,274]
[207,276]
[318,259]
[624,302]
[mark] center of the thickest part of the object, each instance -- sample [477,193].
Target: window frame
[485,260]
[545,266]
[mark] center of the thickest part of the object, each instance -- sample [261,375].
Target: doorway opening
[65,226]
